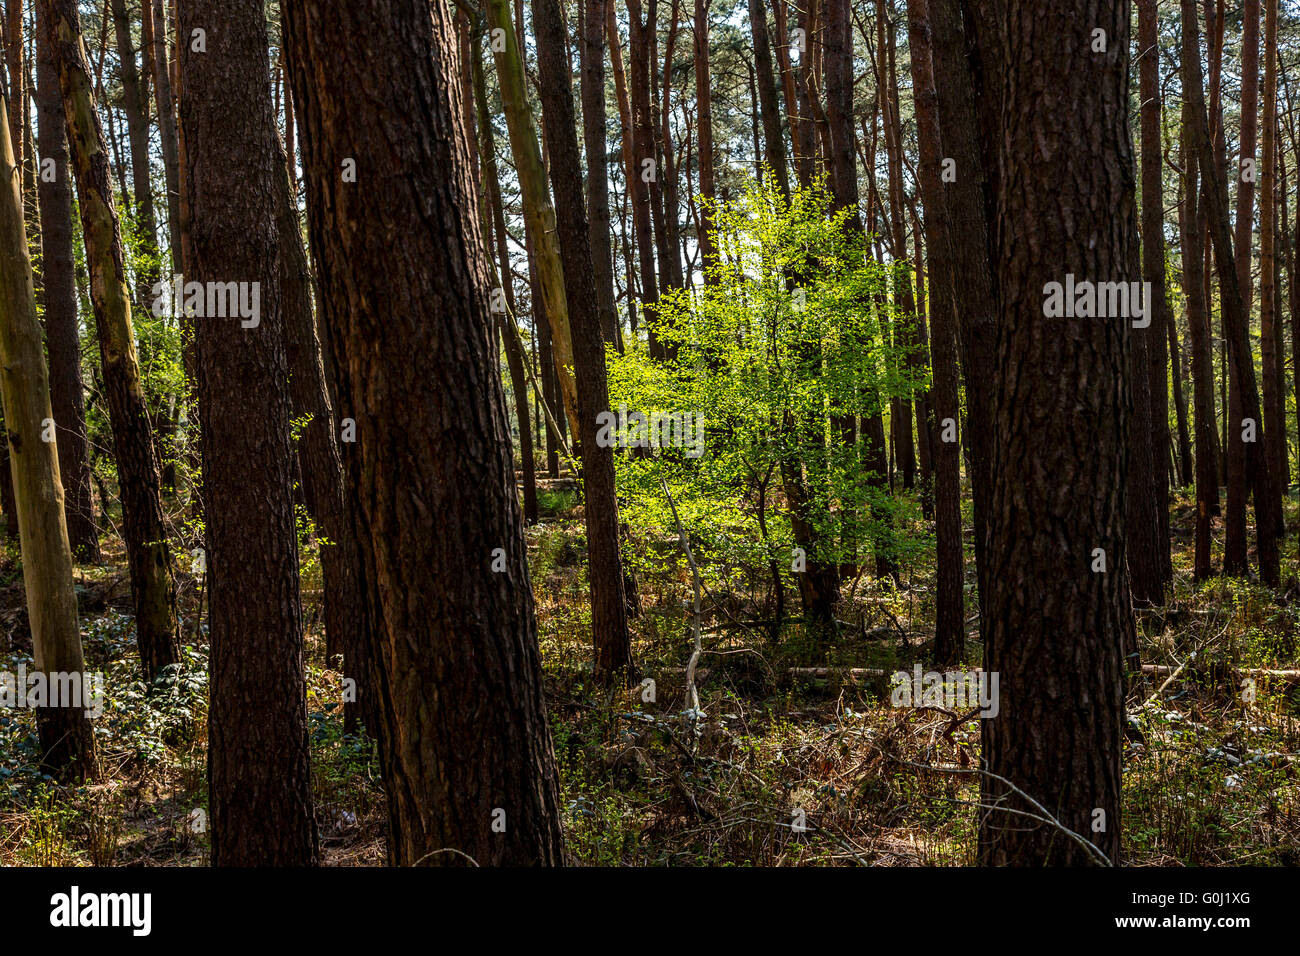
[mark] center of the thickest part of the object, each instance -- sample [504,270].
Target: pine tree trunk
[466,748]
[137,125]
[593,132]
[1153,271]
[643,160]
[1270,351]
[1198,326]
[950,622]
[539,212]
[1235,321]
[610,637]
[1055,627]
[704,134]
[508,322]
[258,755]
[960,124]
[769,105]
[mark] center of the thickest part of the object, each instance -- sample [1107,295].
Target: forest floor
[781,768]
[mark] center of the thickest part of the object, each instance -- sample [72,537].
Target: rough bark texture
[1054,627]
[59,297]
[466,743]
[148,555]
[258,755]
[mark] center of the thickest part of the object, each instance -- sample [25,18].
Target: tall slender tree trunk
[507,322]
[59,298]
[704,133]
[769,105]
[643,161]
[259,782]
[950,622]
[610,637]
[155,30]
[148,554]
[1235,320]
[1198,326]
[439,514]
[1154,336]
[137,125]
[1270,338]
[956,64]
[67,744]
[593,132]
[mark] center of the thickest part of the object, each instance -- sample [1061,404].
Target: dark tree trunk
[456,643]
[704,133]
[643,152]
[137,126]
[59,298]
[1054,627]
[611,640]
[1198,327]
[320,460]
[259,782]
[950,621]
[593,133]
[969,195]
[1235,319]
[769,105]
[148,554]
[1153,271]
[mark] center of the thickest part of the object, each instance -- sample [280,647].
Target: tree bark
[1054,627]
[258,755]
[374,80]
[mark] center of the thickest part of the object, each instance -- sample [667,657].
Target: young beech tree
[148,555]
[66,740]
[759,366]
[465,747]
